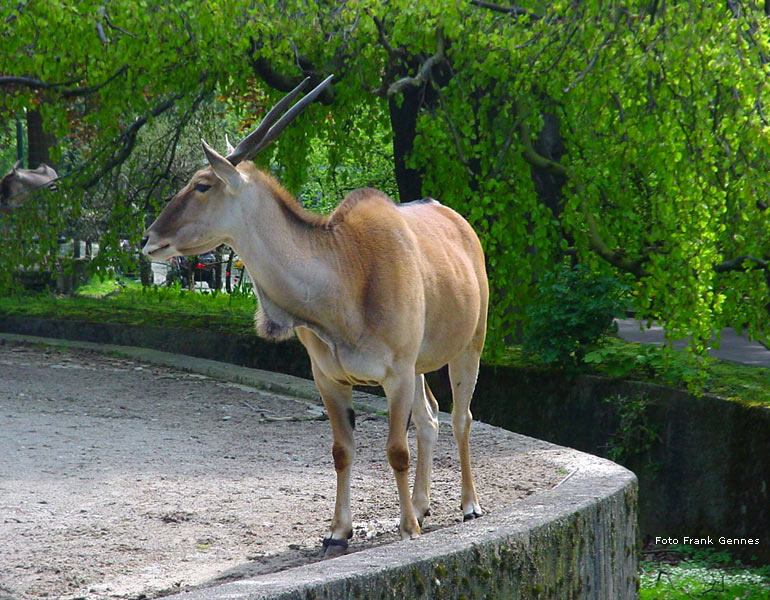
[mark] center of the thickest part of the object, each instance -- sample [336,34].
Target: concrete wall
[712,476]
[707,475]
[577,541]
[243,350]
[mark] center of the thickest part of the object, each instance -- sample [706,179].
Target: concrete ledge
[575,541]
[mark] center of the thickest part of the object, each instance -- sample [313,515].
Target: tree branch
[616,257]
[531,155]
[115,27]
[456,137]
[100,33]
[397,59]
[399,53]
[272,77]
[284,83]
[172,145]
[425,69]
[580,76]
[37,84]
[90,89]
[516,11]
[742,263]
[30,82]
[583,73]
[128,139]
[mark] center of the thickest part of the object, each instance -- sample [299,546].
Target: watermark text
[705,541]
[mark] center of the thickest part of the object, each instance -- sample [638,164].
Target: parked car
[203,267]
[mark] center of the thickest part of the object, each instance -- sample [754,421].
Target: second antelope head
[18,183]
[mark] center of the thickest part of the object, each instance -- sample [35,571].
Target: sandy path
[125,480]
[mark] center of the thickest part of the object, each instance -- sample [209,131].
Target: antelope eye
[202,187]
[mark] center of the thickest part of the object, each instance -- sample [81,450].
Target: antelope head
[18,182]
[198,218]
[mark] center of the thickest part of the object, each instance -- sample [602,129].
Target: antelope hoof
[472,515]
[410,532]
[422,518]
[332,547]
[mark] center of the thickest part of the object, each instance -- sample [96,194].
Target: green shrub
[572,310]
[635,433]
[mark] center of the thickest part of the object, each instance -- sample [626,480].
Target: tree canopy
[627,136]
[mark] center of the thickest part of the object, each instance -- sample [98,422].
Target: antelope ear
[223,168]
[17,164]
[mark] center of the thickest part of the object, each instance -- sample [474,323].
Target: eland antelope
[378,293]
[17,183]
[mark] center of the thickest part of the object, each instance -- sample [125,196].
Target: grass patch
[135,305]
[684,573]
[746,384]
[99,288]
[678,368]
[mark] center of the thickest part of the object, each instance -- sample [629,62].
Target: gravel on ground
[121,479]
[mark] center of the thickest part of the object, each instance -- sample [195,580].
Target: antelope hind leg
[399,389]
[425,419]
[463,372]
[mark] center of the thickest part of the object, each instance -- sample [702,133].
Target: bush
[572,310]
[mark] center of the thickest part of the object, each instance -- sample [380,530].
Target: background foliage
[625,136]
[572,310]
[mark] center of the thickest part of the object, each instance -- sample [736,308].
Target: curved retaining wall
[709,476]
[243,350]
[575,541]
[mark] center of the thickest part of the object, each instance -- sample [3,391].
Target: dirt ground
[120,479]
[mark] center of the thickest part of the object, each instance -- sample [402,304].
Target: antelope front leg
[338,401]
[400,393]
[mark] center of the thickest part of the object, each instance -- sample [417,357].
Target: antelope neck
[291,265]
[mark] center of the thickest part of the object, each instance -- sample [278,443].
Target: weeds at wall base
[687,572]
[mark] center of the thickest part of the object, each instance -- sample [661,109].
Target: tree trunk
[229,272]
[39,142]
[145,271]
[218,267]
[192,261]
[550,145]
[403,121]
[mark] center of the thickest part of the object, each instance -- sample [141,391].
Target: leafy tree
[629,136]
